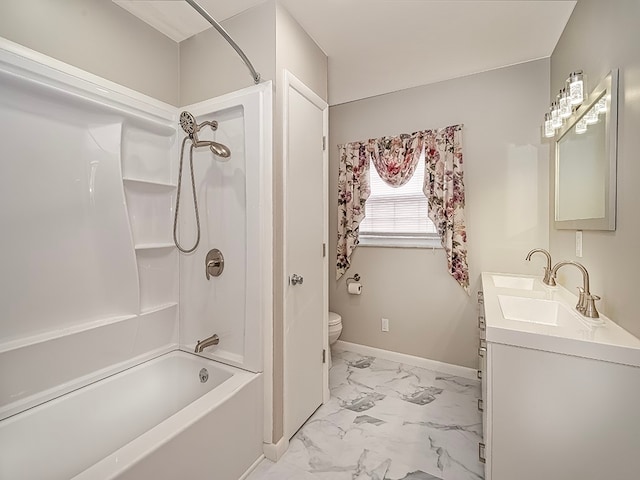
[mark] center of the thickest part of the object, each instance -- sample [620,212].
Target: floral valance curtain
[395,159]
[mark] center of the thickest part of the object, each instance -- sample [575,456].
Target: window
[397,217]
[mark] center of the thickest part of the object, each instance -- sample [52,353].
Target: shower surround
[92,282]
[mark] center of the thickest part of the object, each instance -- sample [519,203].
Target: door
[306,301]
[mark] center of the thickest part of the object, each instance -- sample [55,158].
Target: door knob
[296,279]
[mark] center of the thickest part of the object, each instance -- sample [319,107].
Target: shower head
[220,150]
[191,128]
[188,123]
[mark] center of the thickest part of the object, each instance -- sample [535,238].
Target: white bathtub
[154,421]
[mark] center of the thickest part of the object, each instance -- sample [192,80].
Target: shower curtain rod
[255,75]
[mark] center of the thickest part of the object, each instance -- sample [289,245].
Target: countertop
[577,336]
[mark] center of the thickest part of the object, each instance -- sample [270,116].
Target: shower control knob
[296,279]
[214,263]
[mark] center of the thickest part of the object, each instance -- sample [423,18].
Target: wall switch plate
[385,324]
[579,243]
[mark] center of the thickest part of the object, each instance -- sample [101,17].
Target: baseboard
[412,360]
[273,451]
[252,468]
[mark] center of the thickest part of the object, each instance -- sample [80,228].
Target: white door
[306,301]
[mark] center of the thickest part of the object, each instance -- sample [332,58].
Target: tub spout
[207,342]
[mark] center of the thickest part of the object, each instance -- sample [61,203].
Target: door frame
[290,81]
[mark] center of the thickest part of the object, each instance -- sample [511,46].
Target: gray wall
[506,177]
[297,52]
[99,37]
[210,67]
[272,40]
[598,37]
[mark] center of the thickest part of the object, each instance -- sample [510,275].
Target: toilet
[335,329]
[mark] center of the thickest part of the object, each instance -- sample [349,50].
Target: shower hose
[195,200]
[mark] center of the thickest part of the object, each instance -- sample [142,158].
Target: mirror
[586,151]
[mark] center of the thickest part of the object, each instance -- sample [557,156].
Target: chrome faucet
[586,302]
[207,342]
[548,279]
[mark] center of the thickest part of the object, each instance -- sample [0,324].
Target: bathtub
[153,421]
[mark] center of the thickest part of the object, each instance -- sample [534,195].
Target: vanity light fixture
[548,130]
[556,119]
[567,101]
[576,87]
[564,102]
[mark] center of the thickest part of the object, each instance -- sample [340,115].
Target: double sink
[522,311]
[543,311]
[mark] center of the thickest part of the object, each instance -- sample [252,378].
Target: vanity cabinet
[553,414]
[557,416]
[482,376]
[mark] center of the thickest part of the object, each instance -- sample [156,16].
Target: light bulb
[591,116]
[576,87]
[556,119]
[564,103]
[601,105]
[549,131]
[581,126]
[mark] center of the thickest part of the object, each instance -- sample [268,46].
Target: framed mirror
[586,156]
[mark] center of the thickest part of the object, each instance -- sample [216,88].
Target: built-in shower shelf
[158,308]
[62,332]
[151,246]
[163,185]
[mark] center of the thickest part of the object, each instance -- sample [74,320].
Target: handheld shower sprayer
[191,128]
[188,123]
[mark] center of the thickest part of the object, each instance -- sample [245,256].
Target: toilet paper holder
[355,278]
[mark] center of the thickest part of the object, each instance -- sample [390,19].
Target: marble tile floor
[386,421]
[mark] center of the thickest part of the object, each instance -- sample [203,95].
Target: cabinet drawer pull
[483,344]
[482,351]
[479,374]
[481,453]
[480,295]
[481,322]
[480,405]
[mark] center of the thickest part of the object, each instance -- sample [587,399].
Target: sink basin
[534,310]
[520,283]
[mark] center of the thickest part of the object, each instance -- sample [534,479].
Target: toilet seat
[335,329]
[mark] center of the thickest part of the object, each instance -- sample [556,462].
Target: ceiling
[379,46]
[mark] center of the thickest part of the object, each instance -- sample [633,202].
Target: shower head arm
[197,127]
[213,124]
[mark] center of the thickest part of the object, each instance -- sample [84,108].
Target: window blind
[397,212]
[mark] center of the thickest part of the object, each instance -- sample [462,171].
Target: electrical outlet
[385,324]
[579,243]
